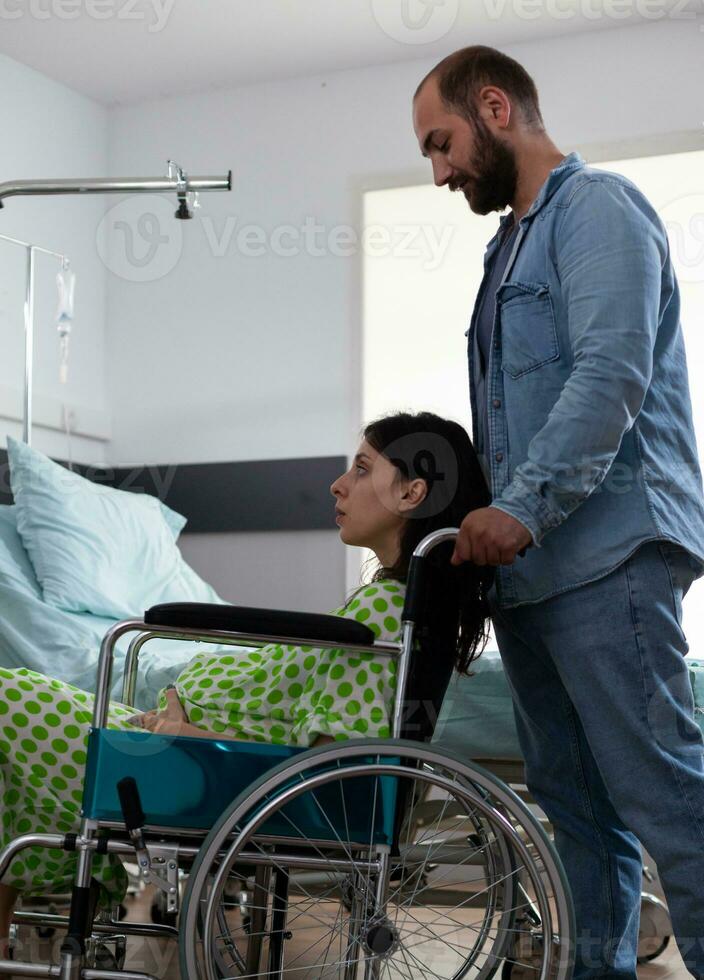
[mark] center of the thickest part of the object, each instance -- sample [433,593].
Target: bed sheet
[66,645]
[476,719]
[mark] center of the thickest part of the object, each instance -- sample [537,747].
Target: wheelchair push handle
[417,570]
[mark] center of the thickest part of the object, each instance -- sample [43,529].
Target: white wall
[299,570]
[50,131]
[232,356]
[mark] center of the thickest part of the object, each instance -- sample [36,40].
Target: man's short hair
[461,75]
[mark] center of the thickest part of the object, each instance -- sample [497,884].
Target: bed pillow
[15,567]
[94,548]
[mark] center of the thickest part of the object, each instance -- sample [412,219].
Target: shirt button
[496,403]
[499,457]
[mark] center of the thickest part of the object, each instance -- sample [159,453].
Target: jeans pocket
[683,568]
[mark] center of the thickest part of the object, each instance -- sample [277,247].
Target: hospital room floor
[668,965]
[160,958]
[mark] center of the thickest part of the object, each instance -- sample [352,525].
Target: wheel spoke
[472,875]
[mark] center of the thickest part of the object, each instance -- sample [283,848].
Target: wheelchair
[365,858]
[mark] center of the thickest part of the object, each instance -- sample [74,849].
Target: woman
[412,474]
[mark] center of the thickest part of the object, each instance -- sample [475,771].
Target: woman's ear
[415,493]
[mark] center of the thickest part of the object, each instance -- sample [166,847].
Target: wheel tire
[476,796]
[655,928]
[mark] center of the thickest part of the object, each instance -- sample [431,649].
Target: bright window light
[423,262]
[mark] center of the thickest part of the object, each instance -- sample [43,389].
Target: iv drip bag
[65,281]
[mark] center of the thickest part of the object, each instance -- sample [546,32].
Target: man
[581,411]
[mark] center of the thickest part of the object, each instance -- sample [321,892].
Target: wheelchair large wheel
[375,859]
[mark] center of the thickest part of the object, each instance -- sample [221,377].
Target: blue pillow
[16,570]
[65,645]
[96,549]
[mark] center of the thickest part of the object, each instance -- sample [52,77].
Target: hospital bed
[62,644]
[363,858]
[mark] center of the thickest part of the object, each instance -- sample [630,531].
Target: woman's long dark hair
[456,615]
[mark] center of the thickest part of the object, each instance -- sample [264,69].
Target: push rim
[508,819]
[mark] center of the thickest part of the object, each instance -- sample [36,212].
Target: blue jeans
[613,756]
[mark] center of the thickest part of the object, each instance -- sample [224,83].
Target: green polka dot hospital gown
[282,694]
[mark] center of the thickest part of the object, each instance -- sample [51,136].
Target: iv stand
[177,180]
[29,326]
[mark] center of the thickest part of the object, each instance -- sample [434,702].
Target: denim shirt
[591,439]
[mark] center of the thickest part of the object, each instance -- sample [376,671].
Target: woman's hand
[139,719]
[171,721]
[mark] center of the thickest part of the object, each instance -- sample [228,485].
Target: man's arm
[609,258]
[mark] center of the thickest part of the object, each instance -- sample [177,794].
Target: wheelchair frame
[504,835]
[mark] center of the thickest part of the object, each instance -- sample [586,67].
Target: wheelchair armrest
[271,622]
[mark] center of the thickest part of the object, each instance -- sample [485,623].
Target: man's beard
[495,164]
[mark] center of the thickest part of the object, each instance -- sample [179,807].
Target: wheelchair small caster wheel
[654,953]
[655,928]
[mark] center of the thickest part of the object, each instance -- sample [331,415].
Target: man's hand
[488,536]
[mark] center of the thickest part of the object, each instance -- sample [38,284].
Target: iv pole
[29,325]
[177,180]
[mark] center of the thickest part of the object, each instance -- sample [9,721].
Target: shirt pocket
[528,331]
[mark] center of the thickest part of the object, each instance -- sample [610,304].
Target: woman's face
[371,501]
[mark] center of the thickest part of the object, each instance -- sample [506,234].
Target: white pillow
[96,549]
